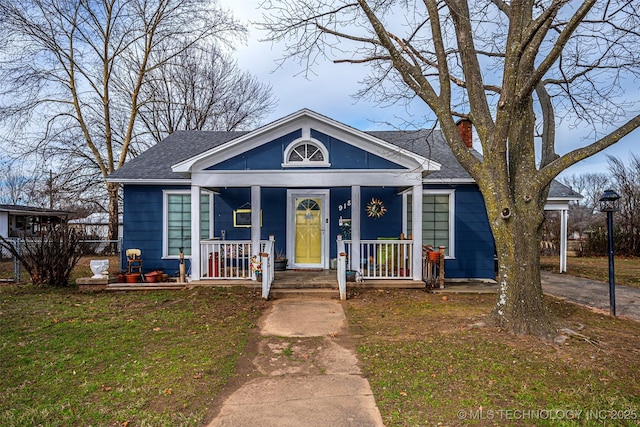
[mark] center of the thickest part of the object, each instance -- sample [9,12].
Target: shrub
[49,259]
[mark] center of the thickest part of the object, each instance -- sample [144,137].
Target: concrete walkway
[308,373]
[592,293]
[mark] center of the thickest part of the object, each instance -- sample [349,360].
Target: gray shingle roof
[429,144]
[156,162]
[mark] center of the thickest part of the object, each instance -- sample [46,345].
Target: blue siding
[473,237]
[142,226]
[346,156]
[273,214]
[270,156]
[474,240]
[390,224]
[338,196]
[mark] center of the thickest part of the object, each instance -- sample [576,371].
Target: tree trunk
[113,234]
[520,306]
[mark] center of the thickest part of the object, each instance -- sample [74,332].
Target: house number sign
[344,205]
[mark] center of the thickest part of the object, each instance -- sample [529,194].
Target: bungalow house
[28,221]
[312,189]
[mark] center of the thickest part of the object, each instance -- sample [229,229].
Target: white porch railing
[383,259]
[267,257]
[231,259]
[226,259]
[342,269]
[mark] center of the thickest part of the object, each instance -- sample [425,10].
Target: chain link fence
[11,269]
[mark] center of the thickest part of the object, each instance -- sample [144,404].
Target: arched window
[306,153]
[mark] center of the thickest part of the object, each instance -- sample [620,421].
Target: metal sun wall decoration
[375,208]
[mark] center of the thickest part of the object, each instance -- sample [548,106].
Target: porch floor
[294,283]
[310,279]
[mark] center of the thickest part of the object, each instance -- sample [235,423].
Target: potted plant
[280,263]
[256,267]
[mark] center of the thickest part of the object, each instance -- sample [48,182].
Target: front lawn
[627,270]
[430,363]
[118,359]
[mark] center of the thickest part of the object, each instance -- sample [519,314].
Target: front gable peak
[305,139]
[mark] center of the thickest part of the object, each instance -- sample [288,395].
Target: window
[437,219]
[177,215]
[306,153]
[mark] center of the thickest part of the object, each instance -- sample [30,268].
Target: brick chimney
[465,127]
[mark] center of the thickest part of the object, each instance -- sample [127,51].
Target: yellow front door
[308,230]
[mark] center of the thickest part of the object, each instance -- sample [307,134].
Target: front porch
[387,263]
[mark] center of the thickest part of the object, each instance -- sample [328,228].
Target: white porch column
[195,233]
[256,206]
[564,214]
[354,256]
[416,230]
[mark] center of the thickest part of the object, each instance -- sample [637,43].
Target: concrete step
[324,293]
[278,284]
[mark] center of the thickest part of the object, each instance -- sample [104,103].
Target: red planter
[152,277]
[132,277]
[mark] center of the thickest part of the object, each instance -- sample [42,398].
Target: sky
[330,92]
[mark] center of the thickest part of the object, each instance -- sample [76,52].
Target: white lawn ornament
[98,267]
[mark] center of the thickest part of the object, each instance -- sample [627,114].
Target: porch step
[324,293]
[278,284]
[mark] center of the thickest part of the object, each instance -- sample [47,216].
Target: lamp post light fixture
[610,203]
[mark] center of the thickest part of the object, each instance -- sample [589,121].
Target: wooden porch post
[416,230]
[256,206]
[354,256]
[195,233]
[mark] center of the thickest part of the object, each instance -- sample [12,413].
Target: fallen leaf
[168,391]
[105,388]
[156,329]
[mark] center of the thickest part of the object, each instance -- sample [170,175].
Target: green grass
[155,359]
[627,270]
[426,364]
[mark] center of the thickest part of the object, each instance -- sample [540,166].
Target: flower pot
[132,277]
[259,276]
[434,256]
[122,278]
[351,275]
[151,277]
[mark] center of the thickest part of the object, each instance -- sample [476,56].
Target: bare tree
[17,186]
[626,179]
[583,214]
[511,67]
[203,91]
[72,74]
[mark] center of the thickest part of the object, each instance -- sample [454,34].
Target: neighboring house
[27,221]
[95,226]
[304,180]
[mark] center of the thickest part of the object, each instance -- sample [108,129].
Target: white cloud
[330,92]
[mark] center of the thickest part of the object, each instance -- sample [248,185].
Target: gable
[275,154]
[264,148]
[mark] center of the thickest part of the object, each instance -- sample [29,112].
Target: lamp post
[610,203]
